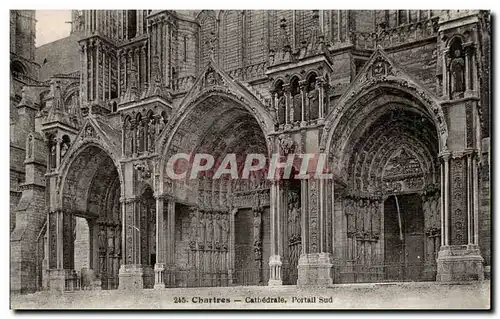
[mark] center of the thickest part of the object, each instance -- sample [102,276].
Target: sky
[51,25]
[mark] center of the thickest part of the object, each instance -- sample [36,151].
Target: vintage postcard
[250,159]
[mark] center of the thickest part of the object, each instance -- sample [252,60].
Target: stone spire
[158,87]
[132,93]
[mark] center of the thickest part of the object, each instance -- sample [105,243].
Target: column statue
[313,101]
[225,229]
[297,107]
[290,222]
[457,70]
[151,135]
[201,227]
[217,231]
[210,228]
[281,109]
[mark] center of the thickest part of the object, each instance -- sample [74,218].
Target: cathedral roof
[59,57]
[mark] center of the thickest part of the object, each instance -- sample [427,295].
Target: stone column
[144,61]
[170,244]
[325,255]
[97,64]
[446,184]
[85,75]
[275,258]
[468,70]
[475,195]
[445,74]
[459,259]
[321,86]
[58,142]
[274,108]
[231,238]
[61,249]
[315,263]
[303,87]
[131,271]
[160,245]
[288,103]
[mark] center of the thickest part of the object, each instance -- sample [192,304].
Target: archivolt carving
[380,73]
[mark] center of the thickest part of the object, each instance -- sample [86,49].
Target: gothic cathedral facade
[398,101]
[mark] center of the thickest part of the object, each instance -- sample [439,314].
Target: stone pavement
[351,296]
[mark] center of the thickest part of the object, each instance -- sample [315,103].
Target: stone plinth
[57,279]
[159,276]
[131,277]
[459,263]
[275,271]
[315,270]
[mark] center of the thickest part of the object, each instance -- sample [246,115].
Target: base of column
[230,278]
[159,277]
[57,279]
[275,271]
[89,280]
[487,272]
[130,277]
[459,263]
[170,279]
[315,270]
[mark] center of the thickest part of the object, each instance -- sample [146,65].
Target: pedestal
[170,279]
[459,263]
[275,271]
[57,279]
[159,276]
[131,277]
[315,270]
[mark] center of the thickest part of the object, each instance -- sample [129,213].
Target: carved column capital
[287,88]
[303,84]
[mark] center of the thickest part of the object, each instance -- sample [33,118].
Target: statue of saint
[72,108]
[53,156]
[290,221]
[151,135]
[297,107]
[117,242]
[129,141]
[111,244]
[377,223]
[457,70]
[297,218]
[210,228]
[313,101]
[217,231]
[202,224]
[360,218]
[29,146]
[281,109]
[140,138]
[224,229]
[64,149]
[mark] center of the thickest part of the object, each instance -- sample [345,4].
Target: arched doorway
[387,148]
[222,227]
[90,198]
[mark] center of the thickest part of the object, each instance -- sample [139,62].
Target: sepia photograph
[250,159]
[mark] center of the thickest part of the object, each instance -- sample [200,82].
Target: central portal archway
[221,225]
[90,196]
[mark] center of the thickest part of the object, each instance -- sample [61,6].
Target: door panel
[404,257]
